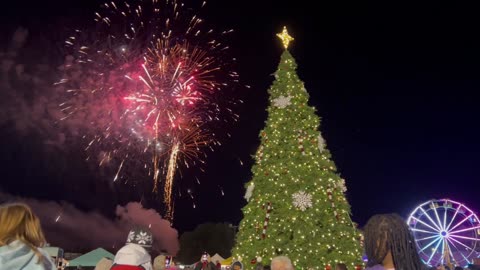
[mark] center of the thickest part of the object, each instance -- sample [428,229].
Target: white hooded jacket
[133,254]
[19,256]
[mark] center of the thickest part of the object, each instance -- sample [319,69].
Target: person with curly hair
[389,244]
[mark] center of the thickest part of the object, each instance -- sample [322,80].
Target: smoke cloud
[72,229]
[27,98]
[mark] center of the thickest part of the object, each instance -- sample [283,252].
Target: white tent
[216,258]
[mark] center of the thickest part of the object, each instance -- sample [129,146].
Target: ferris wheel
[445,232]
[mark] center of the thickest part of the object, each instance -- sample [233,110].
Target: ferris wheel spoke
[431,243]
[424,231]
[462,244]
[450,244]
[465,230]
[430,218]
[466,259]
[451,252]
[453,218]
[438,219]
[424,223]
[458,251]
[461,222]
[442,258]
[445,218]
[428,237]
[464,237]
[435,250]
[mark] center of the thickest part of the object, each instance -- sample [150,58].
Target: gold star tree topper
[285,37]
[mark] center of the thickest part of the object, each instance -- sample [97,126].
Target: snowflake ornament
[282,102]
[302,200]
[341,185]
[321,143]
[143,238]
[249,192]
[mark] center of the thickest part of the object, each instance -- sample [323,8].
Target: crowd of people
[389,245]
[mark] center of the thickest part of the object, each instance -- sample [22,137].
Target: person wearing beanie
[205,263]
[136,251]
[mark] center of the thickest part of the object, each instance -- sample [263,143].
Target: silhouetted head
[389,233]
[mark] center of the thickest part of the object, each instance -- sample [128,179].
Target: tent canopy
[53,251]
[227,261]
[216,258]
[91,258]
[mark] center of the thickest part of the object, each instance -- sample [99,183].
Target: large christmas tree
[296,203]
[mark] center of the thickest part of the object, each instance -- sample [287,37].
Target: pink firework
[142,89]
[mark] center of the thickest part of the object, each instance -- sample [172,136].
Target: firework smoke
[71,228]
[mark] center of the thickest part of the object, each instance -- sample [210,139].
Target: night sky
[396,85]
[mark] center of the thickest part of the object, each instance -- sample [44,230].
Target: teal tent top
[53,251]
[91,258]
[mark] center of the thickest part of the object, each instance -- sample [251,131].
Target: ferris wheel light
[447,204]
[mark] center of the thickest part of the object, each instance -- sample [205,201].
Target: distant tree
[209,237]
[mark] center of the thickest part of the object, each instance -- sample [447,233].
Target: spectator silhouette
[389,244]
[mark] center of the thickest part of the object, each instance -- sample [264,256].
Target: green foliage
[209,237]
[290,159]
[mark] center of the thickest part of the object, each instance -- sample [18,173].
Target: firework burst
[142,89]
